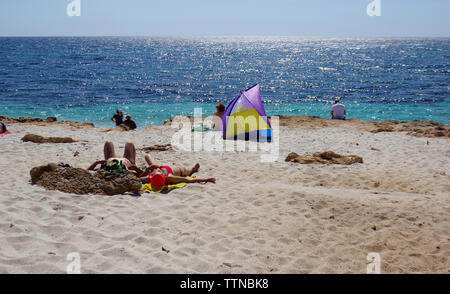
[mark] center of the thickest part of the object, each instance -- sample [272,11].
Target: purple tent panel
[254,96]
[252,99]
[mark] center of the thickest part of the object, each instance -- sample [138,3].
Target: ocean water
[87,79]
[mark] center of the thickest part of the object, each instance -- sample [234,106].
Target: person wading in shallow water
[118,118]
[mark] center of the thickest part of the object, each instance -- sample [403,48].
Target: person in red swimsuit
[160,176]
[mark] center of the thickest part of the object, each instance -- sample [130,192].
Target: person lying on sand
[160,176]
[128,160]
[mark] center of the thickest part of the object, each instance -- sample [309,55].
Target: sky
[198,18]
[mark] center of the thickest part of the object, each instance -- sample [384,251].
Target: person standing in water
[118,118]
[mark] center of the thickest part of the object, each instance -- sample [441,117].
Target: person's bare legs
[108,150]
[177,170]
[130,153]
[184,172]
[150,160]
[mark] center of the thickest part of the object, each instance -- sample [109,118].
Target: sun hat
[158,180]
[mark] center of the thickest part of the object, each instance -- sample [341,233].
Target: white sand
[259,217]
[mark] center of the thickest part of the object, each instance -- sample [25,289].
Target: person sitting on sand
[118,118]
[160,176]
[338,111]
[130,123]
[3,128]
[218,116]
[128,160]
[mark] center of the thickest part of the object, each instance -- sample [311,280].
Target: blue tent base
[257,136]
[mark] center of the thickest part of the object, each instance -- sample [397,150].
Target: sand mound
[39,139]
[80,181]
[327,157]
[417,128]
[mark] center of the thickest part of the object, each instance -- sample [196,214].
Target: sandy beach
[279,217]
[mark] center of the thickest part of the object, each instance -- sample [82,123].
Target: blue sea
[88,78]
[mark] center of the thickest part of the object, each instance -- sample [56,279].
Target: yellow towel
[147,188]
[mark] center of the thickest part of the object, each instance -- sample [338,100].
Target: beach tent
[245,118]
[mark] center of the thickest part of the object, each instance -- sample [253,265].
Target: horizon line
[223,36]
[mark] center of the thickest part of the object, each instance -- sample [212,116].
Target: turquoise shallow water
[87,79]
[156,114]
